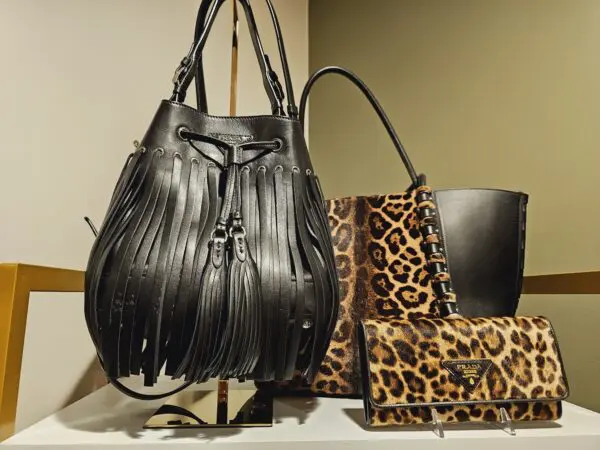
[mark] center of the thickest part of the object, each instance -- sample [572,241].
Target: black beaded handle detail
[435,253]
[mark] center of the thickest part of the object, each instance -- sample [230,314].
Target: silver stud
[308,323]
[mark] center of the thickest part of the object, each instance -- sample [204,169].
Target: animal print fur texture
[382,272]
[404,371]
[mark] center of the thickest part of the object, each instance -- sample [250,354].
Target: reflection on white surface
[107,417]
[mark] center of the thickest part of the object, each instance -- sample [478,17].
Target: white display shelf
[108,419]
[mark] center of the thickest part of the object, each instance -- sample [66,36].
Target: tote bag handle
[374,103]
[446,298]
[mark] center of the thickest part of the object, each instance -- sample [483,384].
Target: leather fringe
[137,293]
[153,302]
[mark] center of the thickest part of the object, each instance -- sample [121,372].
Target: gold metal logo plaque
[468,373]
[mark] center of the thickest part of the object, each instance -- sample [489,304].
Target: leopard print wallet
[466,369]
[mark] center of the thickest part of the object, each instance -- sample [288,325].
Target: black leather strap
[270,82]
[201,100]
[138,395]
[289,88]
[191,66]
[374,102]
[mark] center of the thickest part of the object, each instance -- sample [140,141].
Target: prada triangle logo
[468,373]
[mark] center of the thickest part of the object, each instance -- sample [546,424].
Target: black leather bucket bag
[483,231]
[215,257]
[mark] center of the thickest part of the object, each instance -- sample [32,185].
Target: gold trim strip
[16,282]
[564,283]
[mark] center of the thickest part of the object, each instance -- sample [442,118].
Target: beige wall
[484,94]
[81,80]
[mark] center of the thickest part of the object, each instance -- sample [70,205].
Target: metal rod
[234,61]
[223,388]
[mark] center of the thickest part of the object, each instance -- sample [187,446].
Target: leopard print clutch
[466,369]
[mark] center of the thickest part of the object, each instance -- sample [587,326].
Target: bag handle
[270,81]
[417,180]
[201,101]
[191,67]
[433,249]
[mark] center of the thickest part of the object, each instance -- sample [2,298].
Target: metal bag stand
[220,408]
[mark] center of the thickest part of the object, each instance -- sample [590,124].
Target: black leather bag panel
[484,234]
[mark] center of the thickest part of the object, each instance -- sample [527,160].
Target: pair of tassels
[228,334]
[227,338]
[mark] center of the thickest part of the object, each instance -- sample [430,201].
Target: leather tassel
[212,310]
[237,360]
[245,293]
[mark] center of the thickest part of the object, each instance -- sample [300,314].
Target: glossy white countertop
[108,419]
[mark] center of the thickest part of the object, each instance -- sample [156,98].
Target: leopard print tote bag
[390,262]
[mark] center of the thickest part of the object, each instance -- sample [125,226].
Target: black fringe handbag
[215,258]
